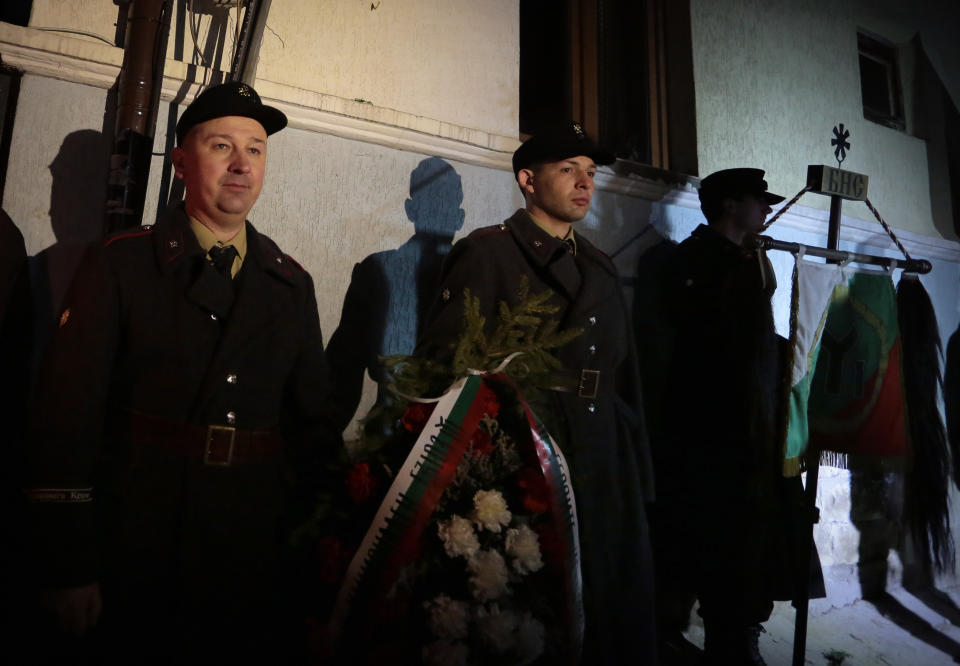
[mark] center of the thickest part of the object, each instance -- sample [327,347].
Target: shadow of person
[903,617]
[390,291]
[77,208]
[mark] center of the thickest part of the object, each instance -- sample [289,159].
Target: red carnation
[481,442]
[416,415]
[536,494]
[360,483]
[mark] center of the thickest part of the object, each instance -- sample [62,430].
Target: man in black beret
[720,494]
[594,410]
[177,431]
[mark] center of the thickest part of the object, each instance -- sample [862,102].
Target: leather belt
[216,445]
[585,383]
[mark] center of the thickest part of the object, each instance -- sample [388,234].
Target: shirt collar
[570,236]
[207,239]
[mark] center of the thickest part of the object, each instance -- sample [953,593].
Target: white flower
[523,545]
[447,618]
[445,653]
[489,579]
[458,537]
[490,510]
[529,639]
[497,628]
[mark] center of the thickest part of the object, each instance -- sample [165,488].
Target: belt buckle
[589,383]
[211,430]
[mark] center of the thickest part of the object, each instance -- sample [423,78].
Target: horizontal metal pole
[921,266]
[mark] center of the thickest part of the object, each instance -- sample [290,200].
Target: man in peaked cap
[721,498]
[177,432]
[594,410]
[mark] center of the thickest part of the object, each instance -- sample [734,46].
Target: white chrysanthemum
[497,628]
[458,537]
[490,510]
[529,640]
[489,575]
[447,618]
[445,653]
[523,545]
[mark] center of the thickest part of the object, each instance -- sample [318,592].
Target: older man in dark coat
[595,412]
[178,430]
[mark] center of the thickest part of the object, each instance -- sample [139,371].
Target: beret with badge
[234,98]
[558,142]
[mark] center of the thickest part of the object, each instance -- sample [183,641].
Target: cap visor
[772,198]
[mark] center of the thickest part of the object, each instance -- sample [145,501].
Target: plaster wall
[773,77]
[454,61]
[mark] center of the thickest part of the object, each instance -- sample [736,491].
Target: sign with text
[837,182]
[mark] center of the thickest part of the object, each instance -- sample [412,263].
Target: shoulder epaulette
[145,230]
[492,230]
[277,258]
[293,261]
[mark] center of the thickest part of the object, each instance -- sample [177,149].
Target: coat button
[213,316]
[537,243]
[591,408]
[592,349]
[593,321]
[231,378]
[231,418]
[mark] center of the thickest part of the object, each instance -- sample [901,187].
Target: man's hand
[76,609]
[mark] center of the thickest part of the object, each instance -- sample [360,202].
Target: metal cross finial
[842,145]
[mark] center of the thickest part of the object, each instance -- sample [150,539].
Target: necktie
[222,258]
[571,248]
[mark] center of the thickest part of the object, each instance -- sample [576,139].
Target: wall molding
[93,63]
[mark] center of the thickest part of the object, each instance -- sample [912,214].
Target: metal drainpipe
[138,96]
[244,66]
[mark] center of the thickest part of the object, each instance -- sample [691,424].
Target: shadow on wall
[391,291]
[77,205]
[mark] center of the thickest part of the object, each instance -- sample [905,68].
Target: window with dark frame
[880,81]
[605,63]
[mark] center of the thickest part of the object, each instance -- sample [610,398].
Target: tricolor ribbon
[395,535]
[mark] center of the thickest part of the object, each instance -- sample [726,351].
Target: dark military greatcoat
[726,519]
[602,437]
[177,434]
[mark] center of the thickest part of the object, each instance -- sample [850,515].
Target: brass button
[591,408]
[537,243]
[231,418]
[592,349]
[213,316]
[231,379]
[593,321]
